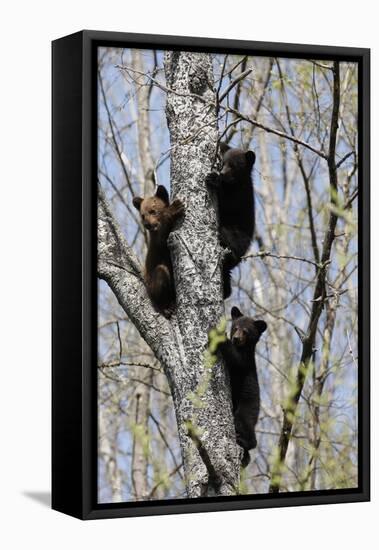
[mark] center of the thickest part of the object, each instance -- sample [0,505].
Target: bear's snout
[151,226]
[238,340]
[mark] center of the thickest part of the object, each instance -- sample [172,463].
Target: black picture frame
[74,295]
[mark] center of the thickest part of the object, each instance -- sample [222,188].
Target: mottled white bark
[197,260]
[180,343]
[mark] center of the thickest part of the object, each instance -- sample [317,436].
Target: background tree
[159,116]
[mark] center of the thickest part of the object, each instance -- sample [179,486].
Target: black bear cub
[235,194]
[158,217]
[238,353]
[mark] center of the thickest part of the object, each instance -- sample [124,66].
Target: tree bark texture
[180,343]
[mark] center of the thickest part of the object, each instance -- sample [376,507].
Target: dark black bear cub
[235,196]
[238,353]
[158,217]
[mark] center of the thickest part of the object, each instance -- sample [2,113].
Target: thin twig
[321,65]
[159,85]
[112,364]
[234,83]
[163,437]
[345,157]
[265,254]
[171,474]
[130,379]
[276,132]
[351,350]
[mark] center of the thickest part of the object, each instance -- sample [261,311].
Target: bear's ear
[261,326]
[250,157]
[162,194]
[137,201]
[224,147]
[236,313]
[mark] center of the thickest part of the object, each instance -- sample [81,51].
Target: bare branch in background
[319,293]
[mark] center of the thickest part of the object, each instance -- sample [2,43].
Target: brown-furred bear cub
[235,194]
[238,353]
[158,217]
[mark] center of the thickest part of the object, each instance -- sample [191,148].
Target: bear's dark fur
[235,194]
[238,353]
[158,217]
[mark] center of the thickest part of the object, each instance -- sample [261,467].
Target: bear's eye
[153,212]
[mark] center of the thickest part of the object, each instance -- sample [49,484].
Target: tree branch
[318,302]
[234,83]
[265,254]
[276,132]
[119,267]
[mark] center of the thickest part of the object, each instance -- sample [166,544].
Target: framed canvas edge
[88,505]
[149,41]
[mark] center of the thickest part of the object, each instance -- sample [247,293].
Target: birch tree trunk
[143,125]
[211,457]
[107,451]
[197,265]
[141,401]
